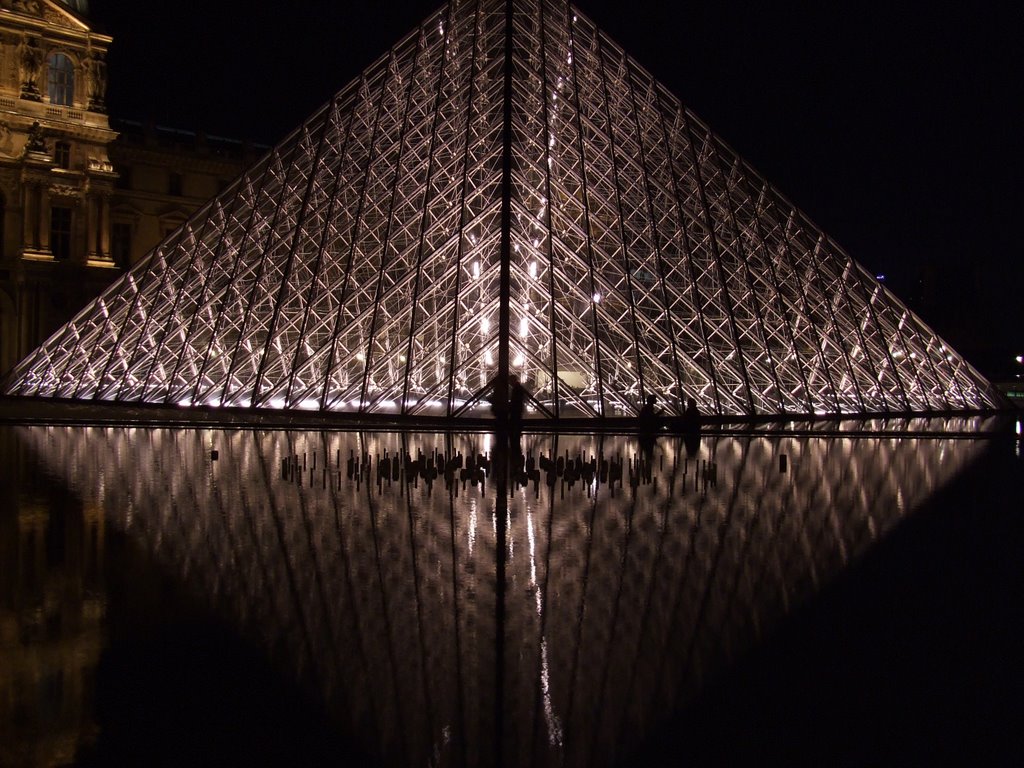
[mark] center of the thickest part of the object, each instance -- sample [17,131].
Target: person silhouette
[517,395]
[647,418]
[690,423]
[647,426]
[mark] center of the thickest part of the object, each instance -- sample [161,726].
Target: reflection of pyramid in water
[439,222]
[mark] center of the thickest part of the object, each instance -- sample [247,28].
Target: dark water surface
[832,600]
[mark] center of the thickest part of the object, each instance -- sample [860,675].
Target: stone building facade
[82,195]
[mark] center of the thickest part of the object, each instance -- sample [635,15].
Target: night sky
[897,127]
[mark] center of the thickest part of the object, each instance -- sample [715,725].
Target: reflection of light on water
[533,562]
[553,722]
[409,600]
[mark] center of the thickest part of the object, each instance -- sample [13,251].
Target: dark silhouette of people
[516,404]
[508,414]
[647,419]
[647,426]
[690,422]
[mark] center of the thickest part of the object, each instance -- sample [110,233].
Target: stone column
[92,213]
[29,209]
[104,225]
[44,220]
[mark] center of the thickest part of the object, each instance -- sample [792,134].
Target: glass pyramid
[505,192]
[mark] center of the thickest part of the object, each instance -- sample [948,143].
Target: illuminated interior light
[518,362]
[392,276]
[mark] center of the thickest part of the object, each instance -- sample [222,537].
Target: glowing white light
[597,298]
[1019,358]
[309,405]
[488,358]
[518,362]
[533,269]
[485,324]
[524,328]
[277,403]
[360,357]
[476,269]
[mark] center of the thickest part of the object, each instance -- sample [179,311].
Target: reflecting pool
[417,599]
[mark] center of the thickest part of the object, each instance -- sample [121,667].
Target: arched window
[61,80]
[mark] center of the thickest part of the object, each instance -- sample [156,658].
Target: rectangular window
[60,80]
[174,184]
[121,244]
[60,232]
[62,154]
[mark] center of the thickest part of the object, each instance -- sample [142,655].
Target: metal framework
[505,192]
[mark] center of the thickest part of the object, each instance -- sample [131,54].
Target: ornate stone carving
[70,193]
[6,139]
[55,17]
[30,64]
[36,141]
[28,7]
[96,81]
